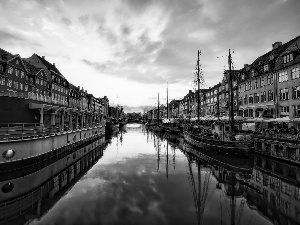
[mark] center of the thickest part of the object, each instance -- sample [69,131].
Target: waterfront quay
[137,175]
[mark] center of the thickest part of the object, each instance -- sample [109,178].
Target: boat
[122,122]
[219,136]
[31,200]
[158,127]
[43,118]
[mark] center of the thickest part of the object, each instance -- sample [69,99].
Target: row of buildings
[35,78]
[269,87]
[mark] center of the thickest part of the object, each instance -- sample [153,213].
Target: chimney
[276,44]
[53,64]
[78,87]
[43,57]
[246,65]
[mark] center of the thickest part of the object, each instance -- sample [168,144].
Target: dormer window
[17,62]
[288,58]
[243,76]
[271,57]
[266,68]
[252,73]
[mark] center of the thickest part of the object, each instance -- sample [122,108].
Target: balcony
[34,96]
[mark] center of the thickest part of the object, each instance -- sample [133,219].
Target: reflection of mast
[201,196]
[158,152]
[167,164]
[174,159]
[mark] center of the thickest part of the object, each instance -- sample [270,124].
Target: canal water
[148,178]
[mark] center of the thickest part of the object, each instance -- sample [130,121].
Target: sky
[131,50]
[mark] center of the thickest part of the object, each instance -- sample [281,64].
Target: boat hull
[225,147]
[31,147]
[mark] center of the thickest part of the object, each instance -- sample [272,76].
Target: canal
[144,178]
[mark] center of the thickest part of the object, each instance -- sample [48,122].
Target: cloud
[84,19]
[66,22]
[106,67]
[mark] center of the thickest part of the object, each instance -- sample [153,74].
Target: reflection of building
[274,190]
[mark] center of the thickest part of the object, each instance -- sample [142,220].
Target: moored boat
[42,116]
[219,136]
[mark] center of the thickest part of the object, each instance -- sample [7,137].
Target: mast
[158,110]
[231,112]
[167,102]
[198,83]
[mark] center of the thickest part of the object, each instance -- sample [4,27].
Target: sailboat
[170,126]
[158,127]
[219,137]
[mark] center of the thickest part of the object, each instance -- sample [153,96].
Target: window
[297,114]
[10,70]
[284,94]
[262,82]
[297,193]
[17,62]
[295,73]
[270,95]
[9,83]
[256,97]
[283,76]
[288,58]
[270,79]
[249,85]
[250,113]
[240,101]
[16,85]
[255,86]
[246,87]
[263,97]
[17,72]
[2,81]
[22,74]
[26,87]
[1,68]
[284,109]
[296,92]
[251,98]
[271,57]
[266,68]
[37,81]
[286,188]
[21,86]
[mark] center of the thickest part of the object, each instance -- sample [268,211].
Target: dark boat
[217,138]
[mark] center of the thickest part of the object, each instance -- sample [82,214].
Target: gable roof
[31,68]
[5,56]
[50,66]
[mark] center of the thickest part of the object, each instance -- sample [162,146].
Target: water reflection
[148,178]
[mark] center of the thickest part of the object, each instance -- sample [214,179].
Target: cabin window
[8,187]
